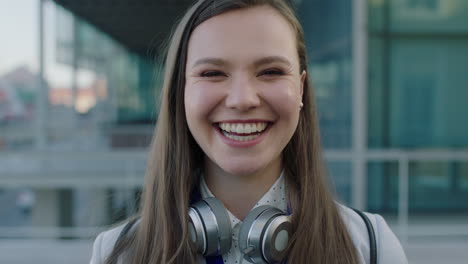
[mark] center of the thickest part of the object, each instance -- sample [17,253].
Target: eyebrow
[257,63]
[271,59]
[213,61]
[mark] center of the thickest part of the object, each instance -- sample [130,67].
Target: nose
[242,94]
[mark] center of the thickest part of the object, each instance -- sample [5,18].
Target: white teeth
[248,129]
[240,138]
[241,128]
[254,128]
[261,126]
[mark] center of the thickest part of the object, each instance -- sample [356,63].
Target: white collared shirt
[389,250]
[276,197]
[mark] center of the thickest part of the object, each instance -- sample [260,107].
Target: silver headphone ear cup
[252,232]
[197,231]
[216,226]
[276,238]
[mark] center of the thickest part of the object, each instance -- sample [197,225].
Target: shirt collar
[275,196]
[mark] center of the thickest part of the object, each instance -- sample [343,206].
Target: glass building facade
[328,34]
[78,108]
[416,98]
[79,163]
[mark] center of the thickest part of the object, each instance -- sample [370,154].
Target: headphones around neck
[263,236]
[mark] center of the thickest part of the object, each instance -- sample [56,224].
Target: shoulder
[104,244]
[389,249]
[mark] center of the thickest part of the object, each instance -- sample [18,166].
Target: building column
[359,101]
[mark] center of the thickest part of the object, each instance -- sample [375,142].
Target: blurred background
[78,88]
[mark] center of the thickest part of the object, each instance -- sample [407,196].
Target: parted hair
[162,236]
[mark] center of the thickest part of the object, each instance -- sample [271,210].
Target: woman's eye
[272,72]
[212,74]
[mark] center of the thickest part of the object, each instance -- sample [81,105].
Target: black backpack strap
[370,231]
[125,230]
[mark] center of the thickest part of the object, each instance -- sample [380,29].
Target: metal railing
[125,169]
[403,159]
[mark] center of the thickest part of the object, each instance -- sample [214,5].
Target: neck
[239,193]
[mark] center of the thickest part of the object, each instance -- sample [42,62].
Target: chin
[241,172]
[245,168]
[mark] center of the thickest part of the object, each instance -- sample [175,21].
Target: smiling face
[243,89]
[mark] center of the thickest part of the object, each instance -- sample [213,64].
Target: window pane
[416,80]
[417,93]
[438,186]
[100,94]
[377,99]
[376,12]
[418,16]
[327,26]
[382,187]
[463,170]
[429,15]
[428,93]
[340,173]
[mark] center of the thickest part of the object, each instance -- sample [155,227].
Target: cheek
[193,101]
[200,100]
[285,98]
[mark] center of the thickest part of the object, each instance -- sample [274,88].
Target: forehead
[244,34]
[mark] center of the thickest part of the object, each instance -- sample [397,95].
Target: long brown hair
[320,236]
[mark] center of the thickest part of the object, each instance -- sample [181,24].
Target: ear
[303,77]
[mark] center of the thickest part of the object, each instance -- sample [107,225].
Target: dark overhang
[139,25]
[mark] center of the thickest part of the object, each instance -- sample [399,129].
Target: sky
[19,42]
[19,34]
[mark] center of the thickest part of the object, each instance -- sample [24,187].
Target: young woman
[238,122]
